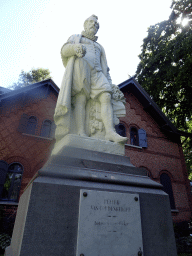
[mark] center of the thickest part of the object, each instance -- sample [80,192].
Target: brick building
[157,147]
[27,136]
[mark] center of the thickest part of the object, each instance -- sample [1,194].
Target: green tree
[165,68]
[33,76]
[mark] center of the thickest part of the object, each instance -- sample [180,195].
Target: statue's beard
[90,34]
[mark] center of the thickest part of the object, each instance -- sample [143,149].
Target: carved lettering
[110,221]
[113,202]
[99,223]
[110,208]
[113,224]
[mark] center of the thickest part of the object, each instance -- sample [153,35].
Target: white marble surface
[109,224]
[88,105]
[74,140]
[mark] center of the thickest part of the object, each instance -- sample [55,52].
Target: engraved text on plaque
[109,224]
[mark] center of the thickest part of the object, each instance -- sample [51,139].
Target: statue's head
[91,25]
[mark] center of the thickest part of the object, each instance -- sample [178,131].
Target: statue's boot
[113,136]
[80,115]
[107,118]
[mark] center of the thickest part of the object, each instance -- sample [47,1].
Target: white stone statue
[88,104]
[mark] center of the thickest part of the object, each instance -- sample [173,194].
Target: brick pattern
[161,155]
[32,152]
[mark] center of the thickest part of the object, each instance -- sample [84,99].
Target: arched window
[121,130]
[167,187]
[134,136]
[3,173]
[31,125]
[46,128]
[138,137]
[12,183]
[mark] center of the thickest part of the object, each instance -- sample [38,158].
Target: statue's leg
[107,118]
[80,101]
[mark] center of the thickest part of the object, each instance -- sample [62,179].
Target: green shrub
[5,240]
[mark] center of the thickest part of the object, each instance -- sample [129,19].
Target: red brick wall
[32,152]
[160,155]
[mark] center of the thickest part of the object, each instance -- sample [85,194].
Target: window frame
[137,136]
[121,132]
[11,188]
[140,137]
[168,189]
[34,125]
[43,128]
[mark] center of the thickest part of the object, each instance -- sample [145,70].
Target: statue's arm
[71,49]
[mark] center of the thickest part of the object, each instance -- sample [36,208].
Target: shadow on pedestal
[48,212]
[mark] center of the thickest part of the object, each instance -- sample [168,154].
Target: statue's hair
[92,16]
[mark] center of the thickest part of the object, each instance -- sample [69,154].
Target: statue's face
[91,26]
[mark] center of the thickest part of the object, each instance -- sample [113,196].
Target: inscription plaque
[109,224]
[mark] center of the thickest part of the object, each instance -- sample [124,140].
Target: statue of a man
[86,77]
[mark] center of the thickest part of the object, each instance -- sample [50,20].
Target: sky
[32,33]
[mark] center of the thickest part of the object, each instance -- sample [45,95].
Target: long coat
[63,107]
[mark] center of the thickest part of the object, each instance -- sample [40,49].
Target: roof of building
[4,90]
[132,86]
[11,93]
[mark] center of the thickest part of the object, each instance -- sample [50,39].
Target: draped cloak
[62,114]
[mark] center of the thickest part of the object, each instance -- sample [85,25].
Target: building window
[138,137]
[27,124]
[46,128]
[3,173]
[31,125]
[12,183]
[134,136]
[167,187]
[121,130]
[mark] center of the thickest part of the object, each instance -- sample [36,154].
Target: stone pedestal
[93,144]
[93,204]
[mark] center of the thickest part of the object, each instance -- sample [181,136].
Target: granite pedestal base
[49,212]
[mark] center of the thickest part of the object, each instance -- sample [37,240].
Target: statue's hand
[80,50]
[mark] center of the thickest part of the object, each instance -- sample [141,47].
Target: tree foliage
[165,68]
[33,76]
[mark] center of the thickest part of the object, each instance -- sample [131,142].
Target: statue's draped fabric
[89,75]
